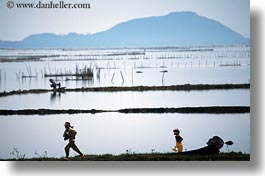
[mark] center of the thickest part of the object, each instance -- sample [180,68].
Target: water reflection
[55,96]
[120,100]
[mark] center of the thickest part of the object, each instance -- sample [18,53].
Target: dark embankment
[150,157]
[48,111]
[208,110]
[185,87]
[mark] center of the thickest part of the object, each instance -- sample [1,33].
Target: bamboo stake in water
[36,73]
[27,69]
[112,77]
[163,77]
[17,75]
[122,77]
[30,71]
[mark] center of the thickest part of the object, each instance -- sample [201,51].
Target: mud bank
[199,110]
[185,87]
[232,156]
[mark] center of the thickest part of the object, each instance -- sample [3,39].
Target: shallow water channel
[129,99]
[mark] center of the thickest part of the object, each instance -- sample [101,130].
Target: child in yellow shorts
[179,139]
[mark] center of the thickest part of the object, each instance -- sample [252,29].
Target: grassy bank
[150,157]
[198,110]
[185,87]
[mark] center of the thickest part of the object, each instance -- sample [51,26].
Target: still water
[120,100]
[115,133]
[119,67]
[126,77]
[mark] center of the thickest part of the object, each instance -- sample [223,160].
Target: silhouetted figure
[179,139]
[69,134]
[54,85]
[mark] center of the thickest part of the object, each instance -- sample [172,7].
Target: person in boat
[70,134]
[54,85]
[179,146]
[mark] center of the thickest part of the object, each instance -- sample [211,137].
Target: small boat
[56,87]
[208,150]
[60,89]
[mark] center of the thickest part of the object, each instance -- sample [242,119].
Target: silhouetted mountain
[174,29]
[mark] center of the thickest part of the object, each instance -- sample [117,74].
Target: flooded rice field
[117,133]
[120,100]
[32,69]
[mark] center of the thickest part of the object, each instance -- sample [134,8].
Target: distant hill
[174,29]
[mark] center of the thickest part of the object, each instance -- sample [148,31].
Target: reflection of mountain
[174,29]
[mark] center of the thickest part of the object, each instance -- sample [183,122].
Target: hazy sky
[16,24]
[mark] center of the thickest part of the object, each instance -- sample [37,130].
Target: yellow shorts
[180,147]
